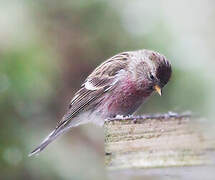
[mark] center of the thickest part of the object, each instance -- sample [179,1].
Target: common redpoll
[117,87]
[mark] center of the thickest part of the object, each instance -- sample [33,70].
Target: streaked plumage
[117,87]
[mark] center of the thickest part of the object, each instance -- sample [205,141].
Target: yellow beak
[158,89]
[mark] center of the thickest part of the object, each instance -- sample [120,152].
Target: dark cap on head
[163,68]
[164,72]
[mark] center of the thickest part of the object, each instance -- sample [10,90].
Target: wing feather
[102,80]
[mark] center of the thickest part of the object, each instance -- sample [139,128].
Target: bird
[116,87]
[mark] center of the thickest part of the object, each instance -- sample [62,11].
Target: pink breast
[125,99]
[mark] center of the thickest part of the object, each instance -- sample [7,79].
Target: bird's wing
[85,98]
[102,80]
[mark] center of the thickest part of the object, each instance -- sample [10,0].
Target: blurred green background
[48,47]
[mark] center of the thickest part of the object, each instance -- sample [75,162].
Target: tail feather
[51,137]
[61,129]
[44,143]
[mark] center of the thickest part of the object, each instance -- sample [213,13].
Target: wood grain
[159,141]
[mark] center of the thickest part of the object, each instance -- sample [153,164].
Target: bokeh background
[47,49]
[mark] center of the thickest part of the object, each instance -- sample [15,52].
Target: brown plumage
[117,87]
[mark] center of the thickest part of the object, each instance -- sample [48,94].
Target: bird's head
[152,70]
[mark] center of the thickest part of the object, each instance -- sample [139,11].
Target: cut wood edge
[158,141]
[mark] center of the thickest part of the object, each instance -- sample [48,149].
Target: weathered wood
[168,140]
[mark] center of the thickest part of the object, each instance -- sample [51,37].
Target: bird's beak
[158,89]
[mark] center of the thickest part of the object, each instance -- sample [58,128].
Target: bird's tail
[51,137]
[44,143]
[62,128]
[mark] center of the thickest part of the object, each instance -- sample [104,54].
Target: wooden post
[153,142]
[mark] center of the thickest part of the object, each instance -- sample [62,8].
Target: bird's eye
[152,77]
